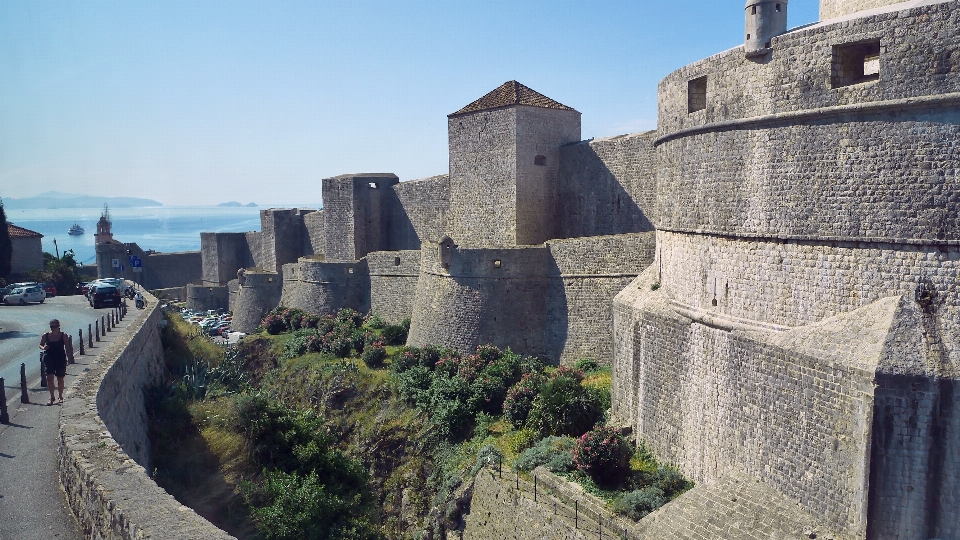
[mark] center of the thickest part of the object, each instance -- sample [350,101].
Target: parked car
[50,289]
[105,295]
[24,295]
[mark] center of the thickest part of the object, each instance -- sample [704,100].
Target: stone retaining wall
[104,448]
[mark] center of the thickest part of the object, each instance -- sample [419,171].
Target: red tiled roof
[511,93]
[20,232]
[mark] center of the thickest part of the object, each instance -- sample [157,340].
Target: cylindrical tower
[765,19]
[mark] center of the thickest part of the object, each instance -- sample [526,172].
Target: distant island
[235,203]
[56,199]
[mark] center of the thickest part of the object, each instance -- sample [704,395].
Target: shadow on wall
[593,201]
[555,333]
[403,235]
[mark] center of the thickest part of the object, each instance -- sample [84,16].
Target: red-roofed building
[27,249]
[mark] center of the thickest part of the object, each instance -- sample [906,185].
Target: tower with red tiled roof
[504,164]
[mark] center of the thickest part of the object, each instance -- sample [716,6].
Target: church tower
[104,236]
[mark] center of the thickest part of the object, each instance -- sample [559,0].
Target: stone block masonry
[259,292]
[104,448]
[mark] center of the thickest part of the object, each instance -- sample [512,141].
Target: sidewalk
[32,504]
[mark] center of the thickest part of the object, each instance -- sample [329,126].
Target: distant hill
[236,204]
[56,199]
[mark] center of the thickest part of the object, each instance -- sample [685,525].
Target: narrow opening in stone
[540,161]
[350,270]
[753,10]
[697,94]
[496,263]
[855,63]
[396,261]
[373,185]
[778,8]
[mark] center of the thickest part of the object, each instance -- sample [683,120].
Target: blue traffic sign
[136,262]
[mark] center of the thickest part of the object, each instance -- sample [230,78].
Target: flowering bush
[374,355]
[273,324]
[564,406]
[603,454]
[519,399]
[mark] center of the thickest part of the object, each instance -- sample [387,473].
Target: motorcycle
[139,302]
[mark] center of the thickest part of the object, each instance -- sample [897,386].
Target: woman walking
[57,347]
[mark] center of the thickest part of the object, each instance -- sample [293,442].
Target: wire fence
[552,498]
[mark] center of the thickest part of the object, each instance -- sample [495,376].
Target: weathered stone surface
[104,448]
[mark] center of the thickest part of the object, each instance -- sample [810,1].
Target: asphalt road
[22,326]
[32,505]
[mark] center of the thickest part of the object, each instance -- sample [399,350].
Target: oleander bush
[564,406]
[603,454]
[519,399]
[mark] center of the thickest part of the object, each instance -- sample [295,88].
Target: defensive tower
[504,162]
[765,20]
[104,236]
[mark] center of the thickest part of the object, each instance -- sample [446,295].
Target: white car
[23,295]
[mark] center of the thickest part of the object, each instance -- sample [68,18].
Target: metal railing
[544,492]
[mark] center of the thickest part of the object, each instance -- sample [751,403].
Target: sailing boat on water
[76,230]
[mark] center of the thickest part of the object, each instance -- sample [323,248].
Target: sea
[165,229]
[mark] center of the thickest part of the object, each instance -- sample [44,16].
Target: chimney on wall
[765,19]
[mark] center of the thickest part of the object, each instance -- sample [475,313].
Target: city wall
[259,292]
[104,447]
[324,287]
[167,270]
[393,283]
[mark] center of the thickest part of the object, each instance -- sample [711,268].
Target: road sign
[138,269]
[116,263]
[136,263]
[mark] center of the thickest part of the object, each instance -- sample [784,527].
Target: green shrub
[394,334]
[638,503]
[520,440]
[374,356]
[488,456]
[359,339]
[586,365]
[556,453]
[349,318]
[669,480]
[563,406]
[413,385]
[375,322]
[273,324]
[487,393]
[287,506]
[299,343]
[519,398]
[604,455]
[340,347]
[448,409]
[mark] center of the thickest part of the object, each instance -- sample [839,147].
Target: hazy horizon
[215,101]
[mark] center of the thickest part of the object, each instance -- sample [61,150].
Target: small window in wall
[753,10]
[778,8]
[855,63]
[396,261]
[540,161]
[373,185]
[697,94]
[350,270]
[445,251]
[496,263]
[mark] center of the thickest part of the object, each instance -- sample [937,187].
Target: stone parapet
[104,447]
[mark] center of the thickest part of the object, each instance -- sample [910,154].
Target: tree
[6,246]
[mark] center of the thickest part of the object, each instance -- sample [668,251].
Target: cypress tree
[6,246]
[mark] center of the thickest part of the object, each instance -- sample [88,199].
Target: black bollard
[90,336]
[24,396]
[4,417]
[534,488]
[576,514]
[96,328]
[81,341]
[43,372]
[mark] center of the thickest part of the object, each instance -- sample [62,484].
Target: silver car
[23,295]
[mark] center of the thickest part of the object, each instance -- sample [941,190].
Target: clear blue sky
[202,102]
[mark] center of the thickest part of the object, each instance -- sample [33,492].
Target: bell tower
[104,236]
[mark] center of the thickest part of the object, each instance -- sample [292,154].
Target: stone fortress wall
[793,223]
[798,322]
[104,447]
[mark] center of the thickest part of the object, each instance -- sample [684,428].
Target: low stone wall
[104,448]
[173,293]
